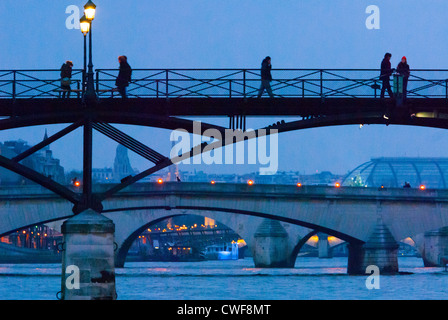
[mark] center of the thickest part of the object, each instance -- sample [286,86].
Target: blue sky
[237,34]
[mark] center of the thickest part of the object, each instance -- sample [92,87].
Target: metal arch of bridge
[88,199]
[327,106]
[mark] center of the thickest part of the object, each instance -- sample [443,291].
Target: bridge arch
[125,245]
[123,249]
[131,222]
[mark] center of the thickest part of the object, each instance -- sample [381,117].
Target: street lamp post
[89,100]
[85,28]
[89,14]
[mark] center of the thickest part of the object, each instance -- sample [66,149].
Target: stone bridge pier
[433,247]
[275,244]
[323,246]
[380,250]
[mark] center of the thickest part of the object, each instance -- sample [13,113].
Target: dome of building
[395,172]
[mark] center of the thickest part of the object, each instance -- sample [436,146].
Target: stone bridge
[274,220]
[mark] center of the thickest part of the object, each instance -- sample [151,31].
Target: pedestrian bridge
[274,220]
[327,96]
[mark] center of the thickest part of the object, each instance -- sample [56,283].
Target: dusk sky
[237,34]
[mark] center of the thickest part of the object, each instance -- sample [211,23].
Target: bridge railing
[30,84]
[224,83]
[287,83]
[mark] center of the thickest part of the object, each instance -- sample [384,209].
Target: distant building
[103,175]
[10,149]
[173,173]
[395,172]
[173,170]
[321,178]
[122,166]
[41,161]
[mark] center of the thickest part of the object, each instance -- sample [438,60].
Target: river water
[312,278]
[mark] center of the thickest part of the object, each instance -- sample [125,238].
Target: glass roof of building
[395,172]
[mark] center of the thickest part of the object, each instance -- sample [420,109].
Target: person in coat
[404,70]
[66,75]
[266,77]
[124,76]
[386,72]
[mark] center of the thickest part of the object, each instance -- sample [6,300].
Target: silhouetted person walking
[386,72]
[266,77]
[66,75]
[404,70]
[124,76]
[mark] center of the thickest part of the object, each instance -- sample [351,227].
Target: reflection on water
[312,278]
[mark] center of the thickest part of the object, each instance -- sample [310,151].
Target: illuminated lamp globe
[85,25]
[89,10]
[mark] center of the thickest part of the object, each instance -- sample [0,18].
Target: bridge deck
[227,190]
[220,106]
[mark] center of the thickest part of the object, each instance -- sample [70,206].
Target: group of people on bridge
[125,74]
[122,81]
[402,70]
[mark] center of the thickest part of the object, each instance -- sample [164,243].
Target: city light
[85,25]
[250,182]
[422,187]
[213,182]
[299,184]
[337,185]
[89,10]
[76,183]
[160,181]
